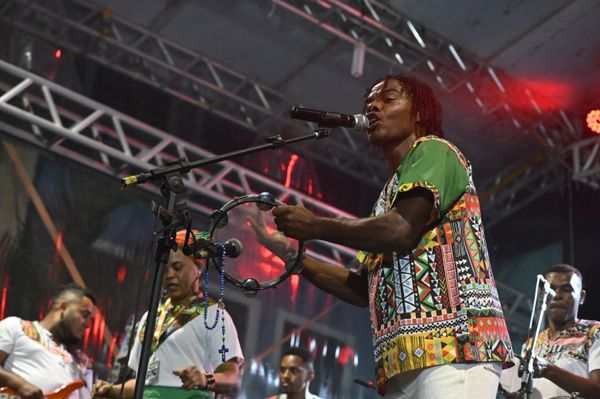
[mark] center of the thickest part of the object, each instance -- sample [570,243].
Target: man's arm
[103,389]
[587,387]
[225,379]
[11,380]
[397,230]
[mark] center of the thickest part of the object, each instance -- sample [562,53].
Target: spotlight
[593,120]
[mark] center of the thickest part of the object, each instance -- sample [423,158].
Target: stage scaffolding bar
[185,74]
[586,161]
[93,141]
[404,44]
[519,185]
[118,145]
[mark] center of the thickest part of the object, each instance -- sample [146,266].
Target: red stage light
[121,274]
[290,170]
[593,120]
[58,53]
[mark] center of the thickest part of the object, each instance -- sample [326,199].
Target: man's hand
[101,389]
[276,242]
[296,222]
[29,391]
[540,365]
[192,378]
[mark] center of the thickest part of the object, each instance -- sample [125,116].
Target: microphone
[547,288]
[204,249]
[366,384]
[330,119]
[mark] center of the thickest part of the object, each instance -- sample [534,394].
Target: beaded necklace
[220,303]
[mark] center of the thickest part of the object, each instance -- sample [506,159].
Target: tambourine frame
[251,285]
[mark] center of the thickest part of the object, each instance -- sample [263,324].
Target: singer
[185,353]
[569,349]
[424,272]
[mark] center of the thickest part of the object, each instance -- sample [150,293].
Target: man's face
[76,317]
[569,295]
[293,374]
[388,107]
[180,276]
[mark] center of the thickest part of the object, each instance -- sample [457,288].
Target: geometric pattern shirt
[573,343]
[436,303]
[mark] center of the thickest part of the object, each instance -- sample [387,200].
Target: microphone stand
[176,215]
[526,368]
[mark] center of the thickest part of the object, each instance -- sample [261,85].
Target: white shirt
[45,368]
[192,344]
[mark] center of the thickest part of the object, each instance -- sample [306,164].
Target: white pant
[450,381]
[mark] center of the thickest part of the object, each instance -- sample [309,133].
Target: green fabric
[433,163]
[162,392]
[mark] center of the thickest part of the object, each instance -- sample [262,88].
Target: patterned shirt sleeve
[433,165]
[594,353]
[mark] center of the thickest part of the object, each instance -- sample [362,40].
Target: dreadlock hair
[302,353]
[563,268]
[424,103]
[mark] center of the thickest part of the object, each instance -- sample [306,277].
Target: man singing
[437,323]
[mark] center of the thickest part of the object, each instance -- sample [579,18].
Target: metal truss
[516,187]
[396,39]
[45,114]
[585,157]
[516,306]
[54,118]
[184,73]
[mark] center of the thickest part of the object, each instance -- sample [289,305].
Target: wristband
[210,381]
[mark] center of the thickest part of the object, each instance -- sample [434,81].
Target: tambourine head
[249,220]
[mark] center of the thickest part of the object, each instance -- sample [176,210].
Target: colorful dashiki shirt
[437,303]
[576,350]
[170,318]
[572,343]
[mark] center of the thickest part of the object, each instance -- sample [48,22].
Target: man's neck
[49,323]
[299,395]
[555,328]
[184,300]
[396,155]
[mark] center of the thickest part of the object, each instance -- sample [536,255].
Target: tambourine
[257,267]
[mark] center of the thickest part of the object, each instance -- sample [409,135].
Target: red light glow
[290,170]
[548,95]
[111,350]
[4,292]
[121,274]
[346,354]
[294,282]
[593,120]
[59,240]
[58,53]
